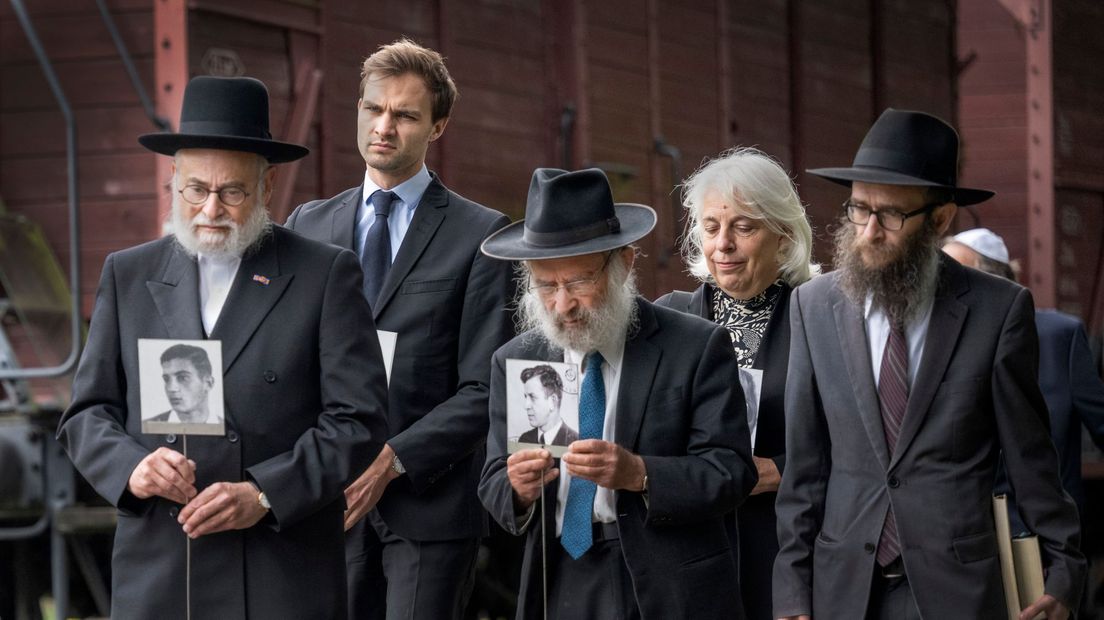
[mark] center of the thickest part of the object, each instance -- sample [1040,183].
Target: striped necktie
[893,392]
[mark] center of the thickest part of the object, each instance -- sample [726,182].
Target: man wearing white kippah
[1068,376]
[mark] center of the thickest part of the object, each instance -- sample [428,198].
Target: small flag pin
[259,278]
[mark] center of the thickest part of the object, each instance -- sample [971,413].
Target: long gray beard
[612,322]
[900,288]
[241,240]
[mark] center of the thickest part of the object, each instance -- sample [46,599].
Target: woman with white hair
[749,243]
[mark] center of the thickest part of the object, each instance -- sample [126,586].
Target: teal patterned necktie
[577,536]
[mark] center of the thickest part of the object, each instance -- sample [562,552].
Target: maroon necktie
[893,397]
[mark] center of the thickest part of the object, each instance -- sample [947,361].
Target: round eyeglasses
[229,196]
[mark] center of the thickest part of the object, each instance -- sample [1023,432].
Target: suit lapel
[699,302]
[176,295]
[343,231]
[250,301]
[856,356]
[948,315]
[427,218]
[638,370]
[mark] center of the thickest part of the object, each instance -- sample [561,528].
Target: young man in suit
[634,524]
[414,555]
[188,378]
[909,377]
[543,390]
[304,386]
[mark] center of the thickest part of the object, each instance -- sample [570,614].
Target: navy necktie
[375,256]
[577,535]
[893,393]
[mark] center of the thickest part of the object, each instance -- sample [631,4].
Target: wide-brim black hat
[230,114]
[908,148]
[570,214]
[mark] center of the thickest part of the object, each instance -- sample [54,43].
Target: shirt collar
[205,260]
[611,354]
[409,191]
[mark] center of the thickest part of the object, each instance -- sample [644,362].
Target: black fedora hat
[224,113]
[570,214]
[908,148]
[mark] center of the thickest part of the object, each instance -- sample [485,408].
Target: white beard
[609,323]
[218,245]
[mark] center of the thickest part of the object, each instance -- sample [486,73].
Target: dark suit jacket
[756,523]
[679,390]
[304,405]
[1074,396]
[448,304]
[975,395]
[563,437]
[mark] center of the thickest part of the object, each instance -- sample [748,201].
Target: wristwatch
[262,499]
[397,466]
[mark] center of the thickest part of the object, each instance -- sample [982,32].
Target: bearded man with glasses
[304,386]
[909,377]
[634,525]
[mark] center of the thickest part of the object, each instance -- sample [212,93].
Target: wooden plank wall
[802,80]
[993,119]
[116,189]
[1079,158]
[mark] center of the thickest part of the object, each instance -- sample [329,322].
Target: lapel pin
[259,278]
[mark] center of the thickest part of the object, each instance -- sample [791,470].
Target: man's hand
[164,473]
[529,471]
[220,507]
[1052,607]
[606,464]
[363,494]
[769,478]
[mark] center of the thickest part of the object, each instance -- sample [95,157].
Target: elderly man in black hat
[248,524]
[910,376]
[633,517]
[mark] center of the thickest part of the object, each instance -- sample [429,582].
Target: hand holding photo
[542,405]
[180,390]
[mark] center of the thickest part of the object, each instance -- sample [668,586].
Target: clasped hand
[605,463]
[220,507]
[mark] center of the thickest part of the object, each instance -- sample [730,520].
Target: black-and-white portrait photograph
[181,386]
[751,379]
[542,408]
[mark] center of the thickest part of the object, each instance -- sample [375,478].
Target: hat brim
[844,176]
[508,243]
[274,151]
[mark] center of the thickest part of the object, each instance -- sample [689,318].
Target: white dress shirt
[408,196]
[216,275]
[877,334]
[605,500]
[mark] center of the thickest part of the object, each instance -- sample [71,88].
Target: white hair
[752,179]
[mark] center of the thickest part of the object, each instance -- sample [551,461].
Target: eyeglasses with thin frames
[229,196]
[889,219]
[574,288]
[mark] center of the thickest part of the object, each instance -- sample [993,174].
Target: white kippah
[984,242]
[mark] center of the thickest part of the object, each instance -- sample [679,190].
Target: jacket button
[170,438]
[231,436]
[894,482]
[270,376]
[174,511]
[869,548]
